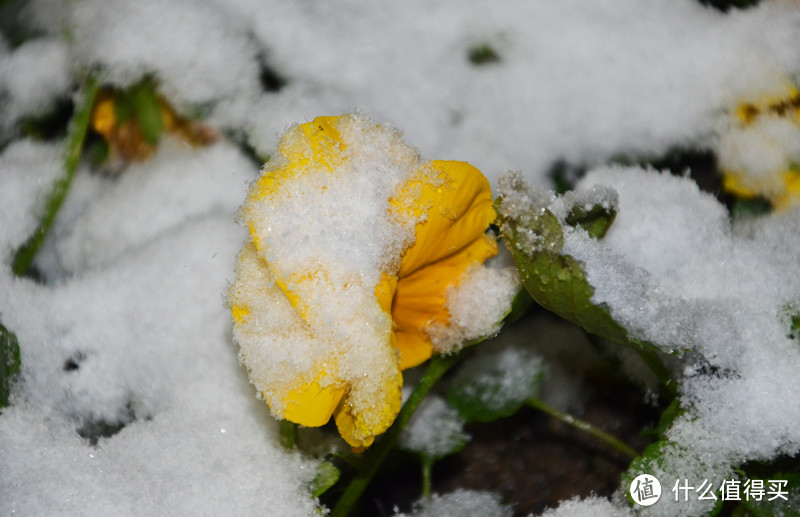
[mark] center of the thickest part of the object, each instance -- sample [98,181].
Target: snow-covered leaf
[554,280]
[496,384]
[435,431]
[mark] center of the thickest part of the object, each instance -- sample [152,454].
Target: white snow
[435,430]
[32,77]
[142,342]
[458,503]
[589,507]
[674,273]
[477,306]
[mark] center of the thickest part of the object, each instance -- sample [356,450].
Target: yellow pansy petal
[360,429]
[314,143]
[103,117]
[385,290]
[420,299]
[414,347]
[733,184]
[460,211]
[312,405]
[239,312]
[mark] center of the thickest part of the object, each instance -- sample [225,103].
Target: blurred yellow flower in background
[348,326]
[132,121]
[759,151]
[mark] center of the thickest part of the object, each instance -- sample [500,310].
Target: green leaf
[596,219]
[327,476]
[483,55]
[147,110]
[520,305]
[495,384]
[557,282]
[554,280]
[794,331]
[750,208]
[653,455]
[668,416]
[9,362]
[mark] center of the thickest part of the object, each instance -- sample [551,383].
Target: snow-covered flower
[132,121]
[759,152]
[354,243]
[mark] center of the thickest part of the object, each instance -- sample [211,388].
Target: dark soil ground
[531,460]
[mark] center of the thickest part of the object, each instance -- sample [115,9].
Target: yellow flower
[759,152]
[354,243]
[132,121]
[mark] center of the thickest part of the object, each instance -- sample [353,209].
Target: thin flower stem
[586,427]
[75,138]
[373,458]
[427,467]
[288,432]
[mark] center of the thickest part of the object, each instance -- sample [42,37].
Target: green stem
[75,138]
[427,467]
[373,458]
[288,432]
[586,427]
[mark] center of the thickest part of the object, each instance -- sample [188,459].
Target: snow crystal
[589,507]
[435,430]
[477,305]
[460,503]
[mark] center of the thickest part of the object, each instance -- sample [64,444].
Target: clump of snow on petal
[328,236]
[477,305]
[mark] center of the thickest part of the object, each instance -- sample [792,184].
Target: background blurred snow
[130,329]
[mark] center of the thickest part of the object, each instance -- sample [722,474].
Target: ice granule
[435,430]
[459,503]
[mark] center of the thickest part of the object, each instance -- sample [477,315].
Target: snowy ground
[130,328]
